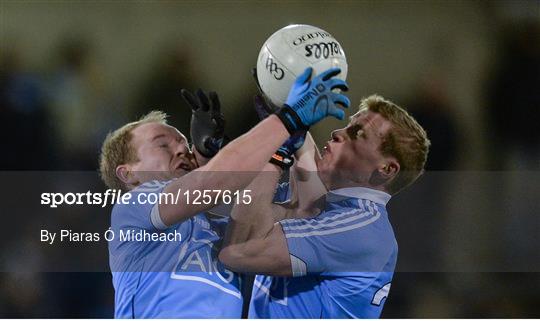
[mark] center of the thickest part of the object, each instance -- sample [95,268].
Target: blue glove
[309,101]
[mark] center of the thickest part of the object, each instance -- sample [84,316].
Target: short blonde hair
[407,141]
[117,149]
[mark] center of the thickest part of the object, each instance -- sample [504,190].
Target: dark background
[468,231]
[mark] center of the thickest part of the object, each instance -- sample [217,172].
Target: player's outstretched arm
[235,166]
[231,169]
[253,242]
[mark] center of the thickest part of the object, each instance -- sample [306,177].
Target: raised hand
[207,122]
[311,100]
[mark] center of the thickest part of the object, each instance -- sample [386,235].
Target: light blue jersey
[343,261]
[175,278]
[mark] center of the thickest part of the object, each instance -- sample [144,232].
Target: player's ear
[389,169]
[385,172]
[125,174]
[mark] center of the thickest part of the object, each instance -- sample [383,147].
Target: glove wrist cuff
[290,120]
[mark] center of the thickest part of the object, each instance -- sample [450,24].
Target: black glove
[207,122]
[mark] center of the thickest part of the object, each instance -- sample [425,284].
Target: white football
[289,51]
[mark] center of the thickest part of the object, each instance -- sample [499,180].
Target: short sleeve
[140,212]
[353,241]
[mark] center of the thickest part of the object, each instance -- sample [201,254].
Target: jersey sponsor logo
[200,264]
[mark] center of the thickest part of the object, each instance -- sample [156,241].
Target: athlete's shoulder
[135,211]
[376,228]
[359,229]
[348,218]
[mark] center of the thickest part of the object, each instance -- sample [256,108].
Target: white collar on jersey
[373,195]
